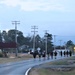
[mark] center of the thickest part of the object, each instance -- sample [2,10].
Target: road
[19,68]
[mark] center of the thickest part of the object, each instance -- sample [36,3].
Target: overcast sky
[56,16]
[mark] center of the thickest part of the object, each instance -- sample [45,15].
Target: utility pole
[60,44]
[16,23]
[54,41]
[34,31]
[65,45]
[46,40]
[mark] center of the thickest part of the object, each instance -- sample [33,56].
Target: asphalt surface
[19,68]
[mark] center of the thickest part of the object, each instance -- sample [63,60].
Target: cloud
[12,3]
[33,5]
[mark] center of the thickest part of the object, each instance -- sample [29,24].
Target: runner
[61,53]
[44,54]
[39,53]
[51,55]
[64,53]
[55,54]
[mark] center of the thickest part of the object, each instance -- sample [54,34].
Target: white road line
[27,71]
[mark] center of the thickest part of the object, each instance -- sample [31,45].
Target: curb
[27,71]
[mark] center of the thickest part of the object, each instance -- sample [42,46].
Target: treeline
[28,40]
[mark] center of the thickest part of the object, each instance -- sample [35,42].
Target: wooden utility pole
[16,23]
[46,40]
[34,31]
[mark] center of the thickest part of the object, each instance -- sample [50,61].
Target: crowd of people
[51,55]
[66,53]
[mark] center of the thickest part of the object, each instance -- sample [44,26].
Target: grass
[50,72]
[44,71]
[12,58]
[60,62]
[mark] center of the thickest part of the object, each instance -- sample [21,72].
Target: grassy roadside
[12,58]
[50,72]
[47,71]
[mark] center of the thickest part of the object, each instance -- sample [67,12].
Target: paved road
[19,68]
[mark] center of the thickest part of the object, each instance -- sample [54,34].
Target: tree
[5,36]
[49,42]
[50,45]
[49,36]
[42,43]
[69,43]
[20,38]
[0,37]
[11,35]
[38,41]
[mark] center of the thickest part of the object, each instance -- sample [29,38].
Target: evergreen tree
[0,37]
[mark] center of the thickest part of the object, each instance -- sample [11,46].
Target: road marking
[27,71]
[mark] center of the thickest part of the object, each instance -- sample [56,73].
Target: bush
[1,55]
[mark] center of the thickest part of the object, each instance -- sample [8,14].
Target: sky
[56,16]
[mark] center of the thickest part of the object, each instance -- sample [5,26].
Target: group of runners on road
[51,55]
